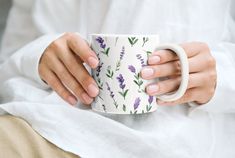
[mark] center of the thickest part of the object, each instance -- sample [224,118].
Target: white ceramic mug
[121,57]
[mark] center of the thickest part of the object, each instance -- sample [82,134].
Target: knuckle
[211,91]
[86,80]
[211,61]
[42,73]
[54,84]
[187,97]
[212,75]
[177,66]
[55,45]
[202,45]
[78,90]
[63,93]
[69,34]
[62,73]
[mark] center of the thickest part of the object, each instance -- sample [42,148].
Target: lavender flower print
[132,40]
[105,50]
[148,106]
[110,72]
[122,86]
[145,39]
[141,59]
[132,68]
[98,70]
[111,94]
[118,65]
[136,104]
[138,81]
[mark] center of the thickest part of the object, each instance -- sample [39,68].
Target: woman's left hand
[202,78]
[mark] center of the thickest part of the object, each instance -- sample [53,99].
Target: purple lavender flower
[121,81]
[110,91]
[132,68]
[98,70]
[150,100]
[122,53]
[100,40]
[137,103]
[118,64]
[105,51]
[123,92]
[149,107]
[112,95]
[142,61]
[137,80]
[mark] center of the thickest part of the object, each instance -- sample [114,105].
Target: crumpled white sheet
[167,133]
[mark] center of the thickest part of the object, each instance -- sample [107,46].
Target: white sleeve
[23,44]
[24,62]
[224,99]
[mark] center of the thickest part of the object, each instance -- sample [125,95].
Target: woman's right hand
[61,67]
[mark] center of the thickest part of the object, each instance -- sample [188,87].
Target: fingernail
[93,62]
[93,90]
[152,89]
[72,100]
[86,98]
[153,59]
[147,72]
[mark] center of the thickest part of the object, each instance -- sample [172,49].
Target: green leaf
[124,107]
[135,112]
[136,82]
[125,93]
[136,77]
[140,82]
[130,41]
[100,87]
[135,41]
[107,51]
[121,94]
[115,104]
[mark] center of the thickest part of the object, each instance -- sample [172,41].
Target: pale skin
[61,67]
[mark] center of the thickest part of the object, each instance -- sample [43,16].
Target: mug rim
[124,35]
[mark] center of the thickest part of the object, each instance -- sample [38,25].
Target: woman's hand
[202,78]
[61,67]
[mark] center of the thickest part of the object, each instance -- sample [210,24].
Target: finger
[164,56]
[200,63]
[172,84]
[53,81]
[75,66]
[164,70]
[196,64]
[189,96]
[82,49]
[69,81]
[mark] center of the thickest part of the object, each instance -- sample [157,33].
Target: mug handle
[184,72]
